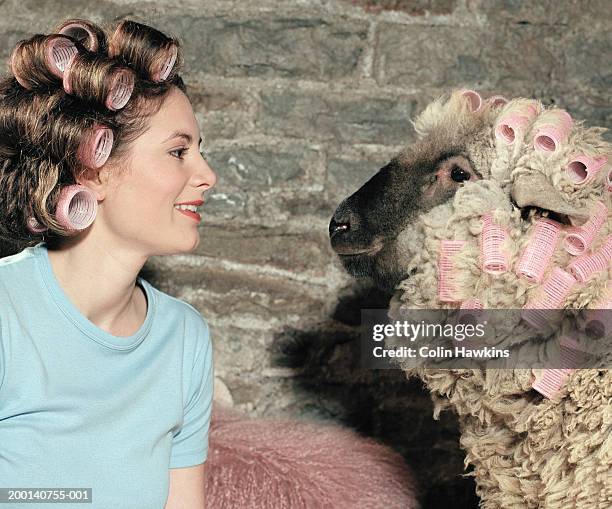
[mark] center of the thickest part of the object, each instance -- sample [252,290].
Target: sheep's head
[516,158]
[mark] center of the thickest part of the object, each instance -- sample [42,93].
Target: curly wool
[526,450]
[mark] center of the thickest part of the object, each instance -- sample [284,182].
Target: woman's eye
[181,150]
[459,174]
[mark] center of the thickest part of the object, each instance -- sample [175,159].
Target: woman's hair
[43,128]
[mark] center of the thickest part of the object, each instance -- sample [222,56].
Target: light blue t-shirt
[81,408]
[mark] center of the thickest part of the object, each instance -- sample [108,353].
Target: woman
[105,381]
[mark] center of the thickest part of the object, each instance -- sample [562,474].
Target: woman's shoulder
[169,305]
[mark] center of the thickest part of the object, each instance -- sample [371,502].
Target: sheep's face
[372,230]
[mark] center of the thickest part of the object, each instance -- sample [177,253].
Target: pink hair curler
[96,147]
[515,122]
[571,357]
[494,260]
[167,65]
[579,238]
[582,169]
[497,101]
[446,269]
[552,296]
[551,382]
[59,52]
[539,250]
[474,99]
[76,207]
[120,90]
[472,304]
[554,130]
[585,266]
[34,226]
[82,33]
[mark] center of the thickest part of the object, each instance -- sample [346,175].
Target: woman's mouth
[189,211]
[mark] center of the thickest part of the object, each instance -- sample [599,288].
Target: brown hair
[42,126]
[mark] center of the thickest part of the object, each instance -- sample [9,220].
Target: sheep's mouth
[539,212]
[348,252]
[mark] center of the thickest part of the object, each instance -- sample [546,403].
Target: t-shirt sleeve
[190,443]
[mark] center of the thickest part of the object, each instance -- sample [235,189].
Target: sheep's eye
[459,174]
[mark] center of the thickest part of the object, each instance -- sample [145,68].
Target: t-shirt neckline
[81,321]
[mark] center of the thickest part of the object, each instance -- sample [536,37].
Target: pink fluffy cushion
[264,463]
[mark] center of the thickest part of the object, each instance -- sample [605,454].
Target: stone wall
[300,102]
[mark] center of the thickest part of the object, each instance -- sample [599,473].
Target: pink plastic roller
[167,64]
[96,147]
[474,99]
[76,209]
[552,295]
[497,101]
[539,250]
[120,90]
[554,130]
[472,304]
[59,51]
[585,266]
[579,238]
[582,169]
[446,269]
[515,123]
[82,33]
[553,379]
[494,260]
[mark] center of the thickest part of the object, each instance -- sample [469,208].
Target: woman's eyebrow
[179,134]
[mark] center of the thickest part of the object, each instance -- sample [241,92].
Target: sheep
[504,174]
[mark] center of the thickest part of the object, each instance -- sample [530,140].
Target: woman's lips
[192,215]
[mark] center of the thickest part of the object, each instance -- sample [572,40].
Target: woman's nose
[207,175]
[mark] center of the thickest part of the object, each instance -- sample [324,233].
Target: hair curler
[579,238]
[585,266]
[34,226]
[553,129]
[493,259]
[571,357]
[76,209]
[539,250]
[474,99]
[59,52]
[96,146]
[446,269]
[82,31]
[552,295]
[120,90]
[497,101]
[515,122]
[582,169]
[167,63]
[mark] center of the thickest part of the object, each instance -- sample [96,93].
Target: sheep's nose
[337,227]
[343,221]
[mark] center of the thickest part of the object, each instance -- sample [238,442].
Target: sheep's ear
[534,190]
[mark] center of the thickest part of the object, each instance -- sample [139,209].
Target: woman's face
[165,169]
